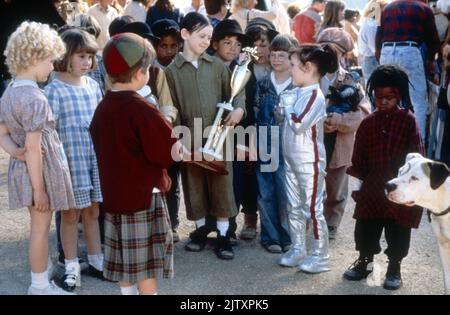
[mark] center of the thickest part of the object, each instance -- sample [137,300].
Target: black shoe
[198,239]
[233,239]
[393,279]
[223,248]
[360,269]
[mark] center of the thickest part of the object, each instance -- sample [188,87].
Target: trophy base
[219,167]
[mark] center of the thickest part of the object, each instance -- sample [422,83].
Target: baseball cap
[337,37]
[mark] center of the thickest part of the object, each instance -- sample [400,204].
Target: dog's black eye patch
[414,178]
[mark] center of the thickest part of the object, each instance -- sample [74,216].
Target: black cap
[165,27]
[139,28]
[264,24]
[116,25]
[230,28]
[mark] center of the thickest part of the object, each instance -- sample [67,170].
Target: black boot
[198,239]
[223,249]
[393,279]
[360,269]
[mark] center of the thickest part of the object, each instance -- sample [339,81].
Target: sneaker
[332,231]
[175,236]
[360,269]
[393,279]
[198,239]
[61,262]
[248,231]
[72,277]
[52,289]
[273,248]
[286,248]
[223,248]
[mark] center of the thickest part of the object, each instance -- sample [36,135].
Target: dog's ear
[411,156]
[438,174]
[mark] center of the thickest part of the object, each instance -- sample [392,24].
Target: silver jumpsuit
[305,161]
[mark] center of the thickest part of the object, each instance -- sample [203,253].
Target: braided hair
[390,76]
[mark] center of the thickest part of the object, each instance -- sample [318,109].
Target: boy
[133,143]
[169,42]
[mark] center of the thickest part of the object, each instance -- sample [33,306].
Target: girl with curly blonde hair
[38,177]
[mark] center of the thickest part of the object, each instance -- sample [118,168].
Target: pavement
[254,271]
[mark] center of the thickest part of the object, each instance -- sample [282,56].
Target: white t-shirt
[136,10]
[279,87]
[104,19]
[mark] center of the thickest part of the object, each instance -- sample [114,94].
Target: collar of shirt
[309,88]
[17,83]
[180,60]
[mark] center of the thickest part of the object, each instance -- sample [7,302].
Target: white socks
[222,226]
[39,280]
[131,290]
[96,261]
[201,222]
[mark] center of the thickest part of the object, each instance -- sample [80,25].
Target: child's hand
[329,126]
[234,117]
[279,114]
[40,199]
[19,154]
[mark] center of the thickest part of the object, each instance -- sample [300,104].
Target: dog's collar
[442,213]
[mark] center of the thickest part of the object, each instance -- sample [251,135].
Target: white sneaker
[52,289]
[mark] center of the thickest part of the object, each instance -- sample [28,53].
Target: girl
[198,82]
[73,98]
[383,140]
[42,183]
[304,155]
[271,191]
[333,15]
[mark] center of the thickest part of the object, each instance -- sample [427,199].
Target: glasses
[280,56]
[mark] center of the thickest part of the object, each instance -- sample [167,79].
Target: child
[199,82]
[340,127]
[383,140]
[41,183]
[133,143]
[304,156]
[73,97]
[226,43]
[228,40]
[271,189]
[169,42]
[261,33]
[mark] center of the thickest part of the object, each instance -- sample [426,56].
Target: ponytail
[323,57]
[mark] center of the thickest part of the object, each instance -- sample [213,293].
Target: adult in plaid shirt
[406,26]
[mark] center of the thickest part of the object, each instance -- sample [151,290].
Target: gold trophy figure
[212,150]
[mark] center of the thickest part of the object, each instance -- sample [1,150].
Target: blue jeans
[272,206]
[410,59]
[369,64]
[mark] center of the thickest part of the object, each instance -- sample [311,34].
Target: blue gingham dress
[73,108]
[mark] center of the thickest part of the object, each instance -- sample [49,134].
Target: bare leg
[148,286]
[69,232]
[38,251]
[91,229]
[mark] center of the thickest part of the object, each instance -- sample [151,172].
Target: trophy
[212,150]
[287,99]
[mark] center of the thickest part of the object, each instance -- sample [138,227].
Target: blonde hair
[32,42]
[237,5]
[373,8]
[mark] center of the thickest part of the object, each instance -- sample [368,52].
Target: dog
[426,183]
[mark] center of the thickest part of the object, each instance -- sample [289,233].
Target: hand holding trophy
[212,150]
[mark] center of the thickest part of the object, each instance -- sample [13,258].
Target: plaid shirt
[382,142]
[408,20]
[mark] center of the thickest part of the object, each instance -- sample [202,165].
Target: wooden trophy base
[219,167]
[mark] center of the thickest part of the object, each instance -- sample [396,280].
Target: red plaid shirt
[408,20]
[382,142]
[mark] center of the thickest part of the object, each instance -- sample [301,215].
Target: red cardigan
[133,142]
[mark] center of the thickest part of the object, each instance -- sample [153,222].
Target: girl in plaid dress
[383,140]
[41,182]
[73,98]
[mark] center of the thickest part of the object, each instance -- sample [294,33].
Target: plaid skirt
[139,246]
